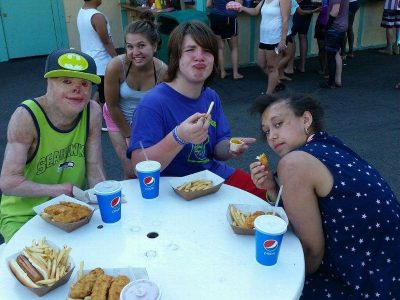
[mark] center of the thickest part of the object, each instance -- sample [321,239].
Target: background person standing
[391,21]
[95,38]
[354,5]
[336,28]
[224,24]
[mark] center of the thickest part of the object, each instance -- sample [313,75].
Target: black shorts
[100,89]
[263,46]
[353,8]
[224,26]
[320,31]
[301,24]
[334,40]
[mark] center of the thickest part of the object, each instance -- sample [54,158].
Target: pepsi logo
[148,181]
[115,201]
[270,245]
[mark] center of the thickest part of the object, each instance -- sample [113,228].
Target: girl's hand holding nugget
[262,176]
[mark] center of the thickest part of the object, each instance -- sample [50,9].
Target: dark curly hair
[298,103]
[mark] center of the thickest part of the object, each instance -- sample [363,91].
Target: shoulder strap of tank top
[127,72]
[155,74]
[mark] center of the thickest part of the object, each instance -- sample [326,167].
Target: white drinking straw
[277,199]
[144,152]
[101,173]
[209,109]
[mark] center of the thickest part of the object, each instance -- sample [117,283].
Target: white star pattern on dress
[361,232]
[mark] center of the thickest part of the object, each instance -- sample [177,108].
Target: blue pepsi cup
[148,173]
[247,3]
[269,233]
[108,195]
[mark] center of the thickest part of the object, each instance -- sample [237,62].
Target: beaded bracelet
[176,137]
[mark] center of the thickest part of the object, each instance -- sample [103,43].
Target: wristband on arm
[177,137]
[330,21]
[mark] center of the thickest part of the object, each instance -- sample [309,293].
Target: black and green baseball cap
[71,63]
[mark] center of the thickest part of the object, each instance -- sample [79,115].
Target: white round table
[195,256]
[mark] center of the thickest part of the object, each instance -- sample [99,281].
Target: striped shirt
[391,5]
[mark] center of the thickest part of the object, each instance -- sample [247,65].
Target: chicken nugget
[101,287]
[117,285]
[66,212]
[249,222]
[84,286]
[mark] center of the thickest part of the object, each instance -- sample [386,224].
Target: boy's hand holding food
[245,143]
[194,129]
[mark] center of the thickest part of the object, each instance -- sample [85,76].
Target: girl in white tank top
[128,77]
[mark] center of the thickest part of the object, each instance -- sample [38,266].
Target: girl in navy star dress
[344,213]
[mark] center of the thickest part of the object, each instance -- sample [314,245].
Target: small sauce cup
[235,144]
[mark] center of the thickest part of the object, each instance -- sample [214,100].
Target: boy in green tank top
[53,141]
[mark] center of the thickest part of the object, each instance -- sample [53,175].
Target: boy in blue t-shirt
[171,122]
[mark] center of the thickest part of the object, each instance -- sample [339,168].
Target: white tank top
[271,23]
[90,40]
[129,98]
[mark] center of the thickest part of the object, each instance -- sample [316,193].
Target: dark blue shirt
[361,223]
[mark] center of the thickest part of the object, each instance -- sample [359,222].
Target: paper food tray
[45,289]
[68,227]
[206,175]
[252,208]
[131,273]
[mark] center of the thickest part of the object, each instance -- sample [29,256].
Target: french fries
[244,220]
[238,217]
[54,261]
[196,185]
